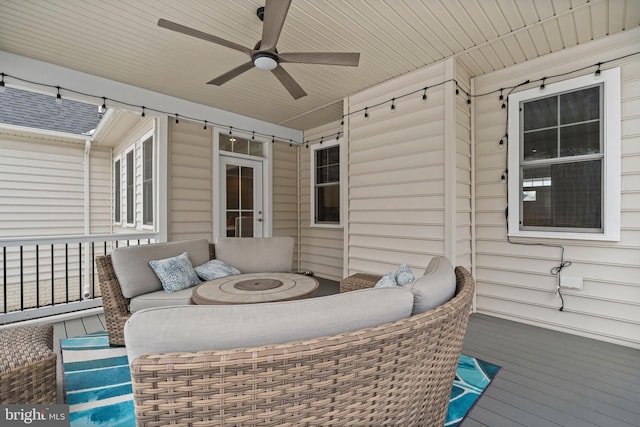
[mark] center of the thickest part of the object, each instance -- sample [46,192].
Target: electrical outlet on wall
[572,282]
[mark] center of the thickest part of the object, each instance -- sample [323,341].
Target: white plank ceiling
[120,40]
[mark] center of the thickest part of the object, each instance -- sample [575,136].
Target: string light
[501,97]
[337,136]
[273,139]
[342,121]
[424,95]
[253,135]
[143,113]
[230,130]
[598,70]
[504,174]
[205,125]
[366,113]
[321,140]
[542,85]
[506,136]
[468,99]
[1,82]
[103,107]
[177,120]
[58,96]
[306,145]
[393,105]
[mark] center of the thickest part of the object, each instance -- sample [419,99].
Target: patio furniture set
[208,353]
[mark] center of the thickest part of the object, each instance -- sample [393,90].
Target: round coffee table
[255,288]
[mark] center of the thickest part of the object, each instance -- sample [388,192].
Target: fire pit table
[255,288]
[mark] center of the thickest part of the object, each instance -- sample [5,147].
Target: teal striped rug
[98,386]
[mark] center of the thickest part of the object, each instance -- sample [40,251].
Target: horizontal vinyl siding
[515,281]
[321,248]
[397,175]
[285,193]
[190,182]
[41,187]
[100,197]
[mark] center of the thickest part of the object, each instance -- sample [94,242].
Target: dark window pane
[233,187]
[321,157]
[244,224]
[117,194]
[580,106]
[580,139]
[231,223]
[333,173]
[321,175]
[541,144]
[567,195]
[246,188]
[542,113]
[328,204]
[333,155]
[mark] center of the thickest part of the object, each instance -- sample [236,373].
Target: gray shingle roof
[34,110]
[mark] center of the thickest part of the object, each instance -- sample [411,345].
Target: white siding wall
[321,248]
[100,197]
[285,193]
[190,182]
[514,281]
[409,179]
[41,186]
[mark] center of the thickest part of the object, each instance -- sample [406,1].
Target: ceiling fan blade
[287,81]
[328,58]
[275,12]
[222,79]
[173,26]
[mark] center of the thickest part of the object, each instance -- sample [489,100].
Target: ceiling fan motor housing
[265,60]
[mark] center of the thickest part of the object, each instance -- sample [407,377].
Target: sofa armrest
[358,281]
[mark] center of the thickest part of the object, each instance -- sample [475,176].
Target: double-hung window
[326,184]
[147,181]
[564,159]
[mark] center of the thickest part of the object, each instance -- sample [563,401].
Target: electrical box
[571,282]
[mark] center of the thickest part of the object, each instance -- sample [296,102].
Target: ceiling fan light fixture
[265,61]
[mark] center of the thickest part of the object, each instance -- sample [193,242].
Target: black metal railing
[54,275]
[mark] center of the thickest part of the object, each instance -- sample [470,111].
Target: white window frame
[126,203]
[117,166]
[313,149]
[611,164]
[145,138]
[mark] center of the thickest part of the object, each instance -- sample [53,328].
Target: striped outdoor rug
[98,386]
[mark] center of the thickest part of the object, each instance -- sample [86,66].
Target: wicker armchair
[116,306]
[397,373]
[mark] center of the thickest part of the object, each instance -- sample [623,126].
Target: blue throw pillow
[404,275]
[175,273]
[215,269]
[387,281]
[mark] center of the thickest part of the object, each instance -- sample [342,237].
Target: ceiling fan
[264,55]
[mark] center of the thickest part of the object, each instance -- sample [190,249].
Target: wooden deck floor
[547,378]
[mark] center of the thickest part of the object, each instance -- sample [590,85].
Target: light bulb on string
[273,139]
[542,85]
[342,121]
[366,113]
[306,145]
[177,120]
[597,73]
[468,99]
[321,140]
[58,96]
[337,136]
[1,82]
[103,107]
[205,125]
[424,95]
[230,130]
[501,97]
[143,114]
[393,105]
[253,135]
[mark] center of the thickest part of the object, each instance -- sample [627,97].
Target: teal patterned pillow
[175,273]
[215,269]
[387,281]
[404,275]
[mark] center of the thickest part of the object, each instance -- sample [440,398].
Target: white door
[241,198]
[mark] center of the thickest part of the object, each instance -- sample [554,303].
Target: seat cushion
[135,275]
[437,286]
[220,327]
[160,299]
[256,255]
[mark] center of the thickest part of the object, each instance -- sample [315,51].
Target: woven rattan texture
[397,374]
[358,281]
[115,305]
[27,365]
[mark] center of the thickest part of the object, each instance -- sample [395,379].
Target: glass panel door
[242,209]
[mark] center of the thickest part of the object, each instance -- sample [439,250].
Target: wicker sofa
[396,372]
[128,283]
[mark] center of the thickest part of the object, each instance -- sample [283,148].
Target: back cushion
[437,286]
[256,255]
[222,327]
[131,263]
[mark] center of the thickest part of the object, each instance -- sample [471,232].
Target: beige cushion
[131,263]
[160,299]
[437,286]
[256,255]
[220,327]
